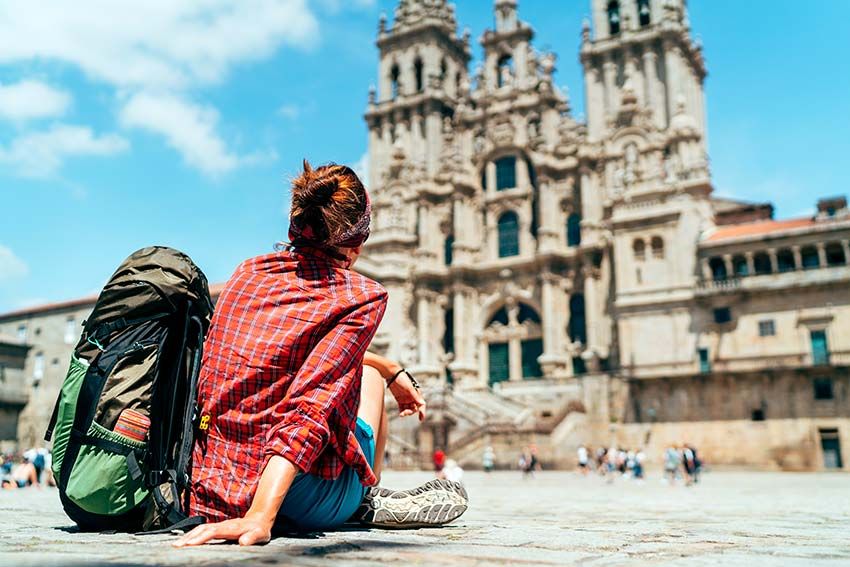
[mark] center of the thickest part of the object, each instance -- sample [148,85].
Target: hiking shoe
[435,503]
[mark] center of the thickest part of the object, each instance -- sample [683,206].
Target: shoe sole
[433,504]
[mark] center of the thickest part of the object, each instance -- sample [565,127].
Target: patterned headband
[351,238]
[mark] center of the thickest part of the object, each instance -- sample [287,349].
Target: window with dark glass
[531,350]
[417,71]
[448,249]
[704,361]
[505,173]
[718,269]
[574,229]
[499,365]
[614,17]
[504,70]
[823,388]
[820,348]
[739,264]
[639,248]
[722,315]
[657,245]
[810,258]
[579,366]
[394,85]
[785,261]
[761,263]
[527,313]
[767,328]
[644,14]
[449,331]
[835,254]
[500,316]
[508,230]
[577,327]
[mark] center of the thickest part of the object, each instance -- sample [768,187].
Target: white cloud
[156,43]
[26,100]
[10,265]
[41,154]
[189,128]
[290,111]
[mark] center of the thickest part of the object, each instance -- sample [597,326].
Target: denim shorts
[314,503]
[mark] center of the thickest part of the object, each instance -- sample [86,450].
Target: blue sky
[178,123]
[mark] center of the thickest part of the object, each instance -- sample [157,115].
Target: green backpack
[123,427]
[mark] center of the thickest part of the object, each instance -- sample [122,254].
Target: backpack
[135,366]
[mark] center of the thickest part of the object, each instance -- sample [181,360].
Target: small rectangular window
[505,173]
[823,389]
[70,331]
[758,415]
[704,362]
[22,333]
[38,366]
[722,315]
[767,328]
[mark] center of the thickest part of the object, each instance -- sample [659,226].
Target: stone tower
[646,130]
[422,74]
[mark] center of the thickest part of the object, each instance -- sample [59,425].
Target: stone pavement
[557,518]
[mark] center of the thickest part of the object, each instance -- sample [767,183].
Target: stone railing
[13,395]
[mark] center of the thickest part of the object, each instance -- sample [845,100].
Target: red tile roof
[758,228]
[87,301]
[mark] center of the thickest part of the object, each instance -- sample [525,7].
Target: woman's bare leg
[372,411]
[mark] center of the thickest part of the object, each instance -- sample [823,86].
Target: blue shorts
[314,503]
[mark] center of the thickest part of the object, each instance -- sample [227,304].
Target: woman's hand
[250,530]
[408,396]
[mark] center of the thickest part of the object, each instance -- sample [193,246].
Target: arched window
[504,70]
[420,79]
[718,269]
[574,229]
[500,316]
[527,313]
[810,257]
[739,265]
[614,17]
[644,13]
[394,82]
[577,327]
[505,173]
[448,252]
[657,245]
[785,260]
[639,248]
[835,254]
[761,263]
[444,69]
[508,227]
[531,350]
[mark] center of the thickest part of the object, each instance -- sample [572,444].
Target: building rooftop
[89,300]
[759,228]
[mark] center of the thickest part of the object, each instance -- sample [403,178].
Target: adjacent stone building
[556,281]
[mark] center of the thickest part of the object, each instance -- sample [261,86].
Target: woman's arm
[386,367]
[256,527]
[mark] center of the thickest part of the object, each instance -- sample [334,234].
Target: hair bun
[319,192]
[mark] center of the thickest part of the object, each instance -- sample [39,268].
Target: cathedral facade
[555,281]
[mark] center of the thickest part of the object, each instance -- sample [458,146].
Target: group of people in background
[32,468]
[609,462]
[682,463]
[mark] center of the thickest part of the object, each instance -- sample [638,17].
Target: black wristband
[395,377]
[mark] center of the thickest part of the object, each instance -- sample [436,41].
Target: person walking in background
[488,459]
[583,460]
[672,461]
[640,457]
[439,460]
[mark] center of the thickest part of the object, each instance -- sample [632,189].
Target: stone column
[423,325]
[774,261]
[609,71]
[548,233]
[672,62]
[751,264]
[590,313]
[706,270]
[798,258]
[553,362]
[821,254]
[514,344]
[845,244]
[730,269]
[653,102]
[591,201]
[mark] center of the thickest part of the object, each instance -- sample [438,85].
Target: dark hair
[329,199]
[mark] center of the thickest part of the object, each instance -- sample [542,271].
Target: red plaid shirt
[281,376]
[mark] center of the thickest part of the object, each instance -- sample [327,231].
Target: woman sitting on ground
[293,427]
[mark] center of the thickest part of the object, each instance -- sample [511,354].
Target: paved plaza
[557,518]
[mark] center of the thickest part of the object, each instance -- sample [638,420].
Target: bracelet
[395,376]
